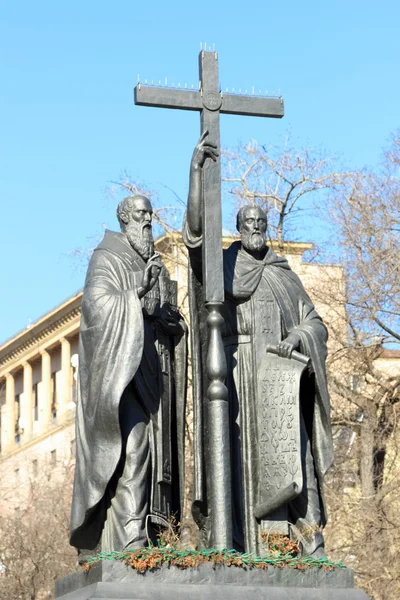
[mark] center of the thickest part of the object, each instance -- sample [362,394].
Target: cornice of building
[42,329]
[287,248]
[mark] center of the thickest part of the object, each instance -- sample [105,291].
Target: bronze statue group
[130,421]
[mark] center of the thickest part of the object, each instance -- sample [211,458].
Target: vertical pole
[213,280]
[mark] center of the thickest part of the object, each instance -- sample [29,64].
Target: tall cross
[211,102]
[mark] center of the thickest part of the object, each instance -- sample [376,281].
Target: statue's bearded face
[253,228]
[139,231]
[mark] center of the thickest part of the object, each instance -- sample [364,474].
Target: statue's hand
[150,274]
[203,150]
[286,346]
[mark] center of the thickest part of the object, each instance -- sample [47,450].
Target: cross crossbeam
[231,104]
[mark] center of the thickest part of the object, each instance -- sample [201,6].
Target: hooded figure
[130,414]
[265,305]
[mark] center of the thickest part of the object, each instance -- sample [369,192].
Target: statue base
[113,580]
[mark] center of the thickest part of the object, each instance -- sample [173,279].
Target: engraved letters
[279,423]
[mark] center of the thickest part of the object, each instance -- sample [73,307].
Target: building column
[45,392]
[66,381]
[8,416]
[27,404]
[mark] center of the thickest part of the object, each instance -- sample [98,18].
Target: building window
[17,413]
[17,474]
[35,400]
[75,368]
[54,395]
[35,468]
[53,458]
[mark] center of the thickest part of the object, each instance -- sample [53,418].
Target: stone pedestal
[113,580]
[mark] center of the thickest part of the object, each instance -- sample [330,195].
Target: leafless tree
[34,534]
[281,179]
[365,380]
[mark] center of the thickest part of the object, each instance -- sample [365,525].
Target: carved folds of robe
[264,301]
[130,417]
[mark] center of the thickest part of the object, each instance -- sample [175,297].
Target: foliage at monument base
[154,557]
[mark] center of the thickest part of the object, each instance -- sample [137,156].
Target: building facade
[37,395]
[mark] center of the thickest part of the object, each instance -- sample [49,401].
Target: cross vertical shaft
[212,222]
[213,278]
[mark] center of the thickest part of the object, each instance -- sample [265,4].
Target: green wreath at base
[153,557]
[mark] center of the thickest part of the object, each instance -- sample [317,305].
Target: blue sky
[69,125]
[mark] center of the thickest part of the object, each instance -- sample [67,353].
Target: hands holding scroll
[286,346]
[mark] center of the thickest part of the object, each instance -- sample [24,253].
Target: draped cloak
[247,282]
[117,346]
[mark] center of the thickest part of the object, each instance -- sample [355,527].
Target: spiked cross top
[211,103]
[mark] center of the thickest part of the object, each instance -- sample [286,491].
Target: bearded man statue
[265,306]
[130,415]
